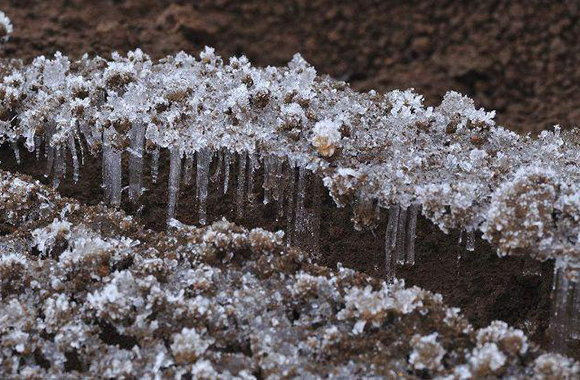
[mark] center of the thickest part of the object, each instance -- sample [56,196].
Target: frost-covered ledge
[370,150]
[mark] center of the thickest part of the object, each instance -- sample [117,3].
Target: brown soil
[508,55]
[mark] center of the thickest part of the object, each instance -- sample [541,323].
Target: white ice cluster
[6,27]
[427,352]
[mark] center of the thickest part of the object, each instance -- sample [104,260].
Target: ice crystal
[427,352]
[486,360]
[555,366]
[5,27]
[326,137]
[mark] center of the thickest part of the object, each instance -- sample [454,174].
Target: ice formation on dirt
[301,132]
[5,27]
[87,291]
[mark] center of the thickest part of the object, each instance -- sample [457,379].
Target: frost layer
[371,150]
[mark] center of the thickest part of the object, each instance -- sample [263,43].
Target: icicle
[216,176]
[202,178]
[266,184]
[280,213]
[276,178]
[187,170]
[174,178]
[82,150]
[136,162]
[75,160]
[16,152]
[155,164]
[105,172]
[227,164]
[363,212]
[37,145]
[59,167]
[49,159]
[116,174]
[112,175]
[401,234]
[112,169]
[565,319]
[470,240]
[411,233]
[391,242]
[299,222]
[240,193]
[290,202]
[560,323]
[251,170]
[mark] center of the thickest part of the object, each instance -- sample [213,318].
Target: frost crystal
[427,352]
[5,27]
[326,137]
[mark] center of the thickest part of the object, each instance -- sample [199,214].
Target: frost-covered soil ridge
[87,291]
[372,150]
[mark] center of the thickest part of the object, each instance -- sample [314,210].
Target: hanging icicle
[365,216]
[49,159]
[187,170]
[81,149]
[227,164]
[565,319]
[240,190]
[218,169]
[411,234]
[266,184]
[16,151]
[202,178]
[75,160]
[251,170]
[112,169]
[37,145]
[137,137]
[155,164]
[276,178]
[174,179]
[299,219]
[59,167]
[116,176]
[391,242]
[401,236]
[290,202]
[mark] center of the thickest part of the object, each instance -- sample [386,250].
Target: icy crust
[87,291]
[376,150]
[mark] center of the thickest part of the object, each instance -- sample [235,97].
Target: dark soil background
[518,57]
